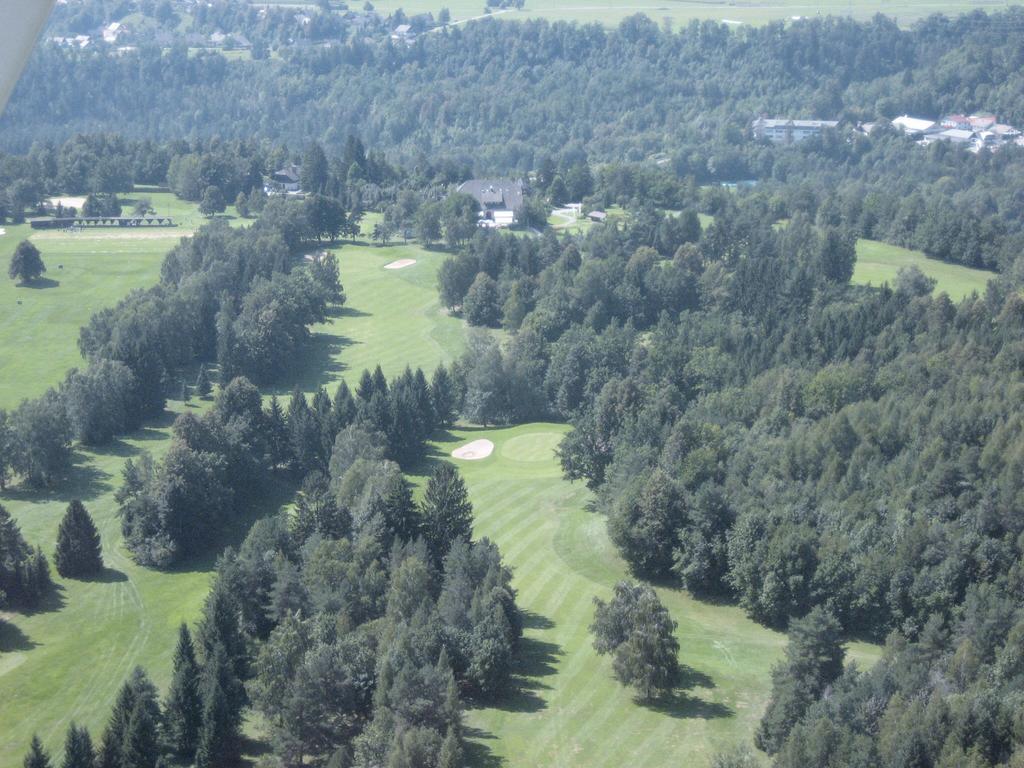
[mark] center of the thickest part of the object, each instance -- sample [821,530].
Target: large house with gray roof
[500,200]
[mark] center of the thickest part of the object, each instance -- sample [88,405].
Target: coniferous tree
[218,735]
[278,439]
[37,756]
[365,388]
[442,396]
[451,751]
[183,709]
[79,552]
[344,407]
[380,384]
[78,751]
[203,385]
[446,511]
[136,700]
[814,659]
[400,513]
[140,748]
[111,743]
[220,632]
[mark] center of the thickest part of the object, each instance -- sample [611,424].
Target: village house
[982,122]
[403,34]
[114,31]
[782,131]
[500,200]
[284,181]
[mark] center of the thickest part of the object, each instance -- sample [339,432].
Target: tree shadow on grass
[253,749]
[83,481]
[53,600]
[342,310]
[12,639]
[315,366]
[107,576]
[478,754]
[679,704]
[40,283]
[533,620]
[535,659]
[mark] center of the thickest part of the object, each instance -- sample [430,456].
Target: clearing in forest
[879,263]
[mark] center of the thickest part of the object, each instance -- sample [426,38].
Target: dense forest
[758,429]
[506,94]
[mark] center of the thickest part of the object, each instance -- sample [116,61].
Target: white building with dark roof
[500,200]
[782,131]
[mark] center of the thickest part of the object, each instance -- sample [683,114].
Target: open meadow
[879,263]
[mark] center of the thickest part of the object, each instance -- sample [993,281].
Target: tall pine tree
[183,710]
[78,544]
[140,748]
[36,757]
[78,749]
[442,396]
[446,511]
[218,736]
[814,659]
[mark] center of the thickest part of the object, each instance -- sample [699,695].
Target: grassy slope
[67,662]
[85,272]
[570,711]
[878,263]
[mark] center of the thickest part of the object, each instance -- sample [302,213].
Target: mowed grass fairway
[85,272]
[67,661]
[879,263]
[569,710]
[392,317]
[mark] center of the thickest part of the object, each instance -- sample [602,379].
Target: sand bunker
[478,449]
[2,231]
[400,264]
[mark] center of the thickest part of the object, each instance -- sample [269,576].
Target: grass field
[86,271]
[680,12]
[879,263]
[570,711]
